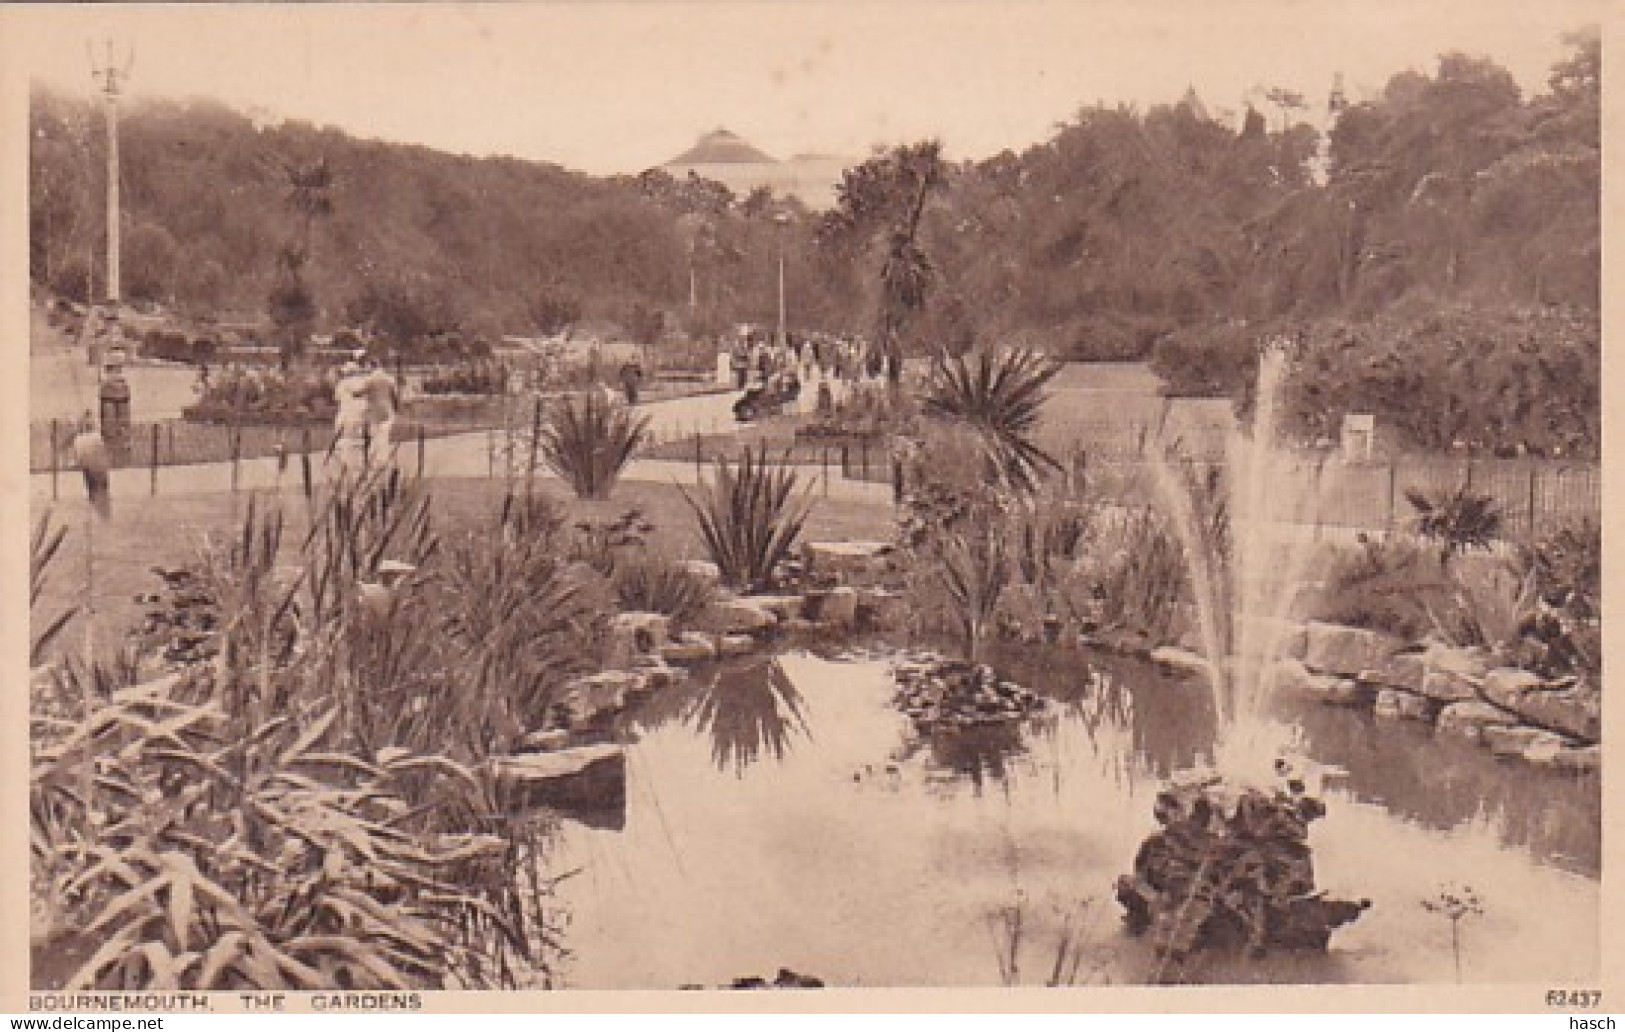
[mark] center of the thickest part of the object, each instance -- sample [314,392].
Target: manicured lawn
[169,531]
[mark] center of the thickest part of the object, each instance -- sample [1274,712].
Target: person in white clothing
[350,425]
[383,398]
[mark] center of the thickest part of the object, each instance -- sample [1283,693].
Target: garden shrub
[313,809]
[1135,582]
[1563,634]
[1000,395]
[750,517]
[515,622]
[1483,604]
[1457,519]
[654,584]
[235,394]
[588,439]
[975,570]
[1381,585]
[216,853]
[482,379]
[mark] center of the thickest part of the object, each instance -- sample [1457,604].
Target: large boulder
[731,645]
[690,648]
[1179,660]
[588,698]
[1562,708]
[1523,742]
[846,561]
[1576,714]
[551,740]
[838,608]
[1403,670]
[743,616]
[1469,718]
[1453,674]
[1335,649]
[882,609]
[702,569]
[1579,759]
[1291,677]
[657,675]
[1271,638]
[636,634]
[783,607]
[1400,705]
[587,781]
[1245,853]
[1449,686]
[1504,686]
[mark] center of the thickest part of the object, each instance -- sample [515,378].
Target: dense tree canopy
[1163,233]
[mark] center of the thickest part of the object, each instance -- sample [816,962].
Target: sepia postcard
[1090,507]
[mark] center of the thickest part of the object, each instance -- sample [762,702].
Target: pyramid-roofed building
[721,147]
[733,161]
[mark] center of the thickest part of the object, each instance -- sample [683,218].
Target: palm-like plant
[1456,520]
[589,439]
[976,569]
[1001,396]
[749,519]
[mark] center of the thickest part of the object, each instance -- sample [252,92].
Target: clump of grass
[750,518]
[653,584]
[312,809]
[211,854]
[976,569]
[46,543]
[589,439]
[1141,585]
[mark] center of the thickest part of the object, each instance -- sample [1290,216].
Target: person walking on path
[90,453]
[383,398]
[350,431]
[631,378]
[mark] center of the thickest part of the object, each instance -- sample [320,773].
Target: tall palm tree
[905,275]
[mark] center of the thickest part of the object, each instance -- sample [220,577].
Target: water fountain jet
[1232,865]
[1245,529]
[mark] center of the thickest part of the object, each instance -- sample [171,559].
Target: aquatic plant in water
[1230,868]
[1455,904]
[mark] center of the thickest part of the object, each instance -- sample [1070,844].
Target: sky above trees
[616,88]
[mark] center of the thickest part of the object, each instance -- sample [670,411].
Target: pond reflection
[746,709]
[784,813]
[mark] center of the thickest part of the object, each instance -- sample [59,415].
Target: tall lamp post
[782,219]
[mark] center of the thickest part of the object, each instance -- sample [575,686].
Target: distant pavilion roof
[722,147]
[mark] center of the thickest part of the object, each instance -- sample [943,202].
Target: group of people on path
[754,356]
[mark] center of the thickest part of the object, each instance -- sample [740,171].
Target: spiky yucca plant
[999,394]
[589,439]
[749,519]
